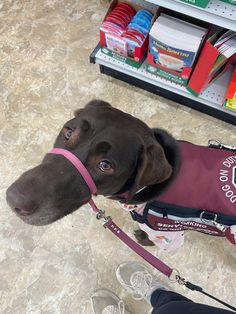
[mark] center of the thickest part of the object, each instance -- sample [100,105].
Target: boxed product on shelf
[230,1]
[198,3]
[216,55]
[125,30]
[173,47]
[230,97]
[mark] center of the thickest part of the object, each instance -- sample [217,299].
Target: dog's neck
[172,154]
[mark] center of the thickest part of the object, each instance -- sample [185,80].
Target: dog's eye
[105,166]
[68,132]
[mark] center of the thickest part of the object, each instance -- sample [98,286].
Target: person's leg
[137,280]
[169,302]
[161,297]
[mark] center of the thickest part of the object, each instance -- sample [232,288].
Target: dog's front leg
[142,238]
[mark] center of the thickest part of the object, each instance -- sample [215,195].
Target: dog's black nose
[19,201]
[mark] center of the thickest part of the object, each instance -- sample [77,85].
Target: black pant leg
[161,297]
[169,302]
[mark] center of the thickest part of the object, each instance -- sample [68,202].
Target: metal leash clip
[101,215]
[175,277]
[219,145]
[181,280]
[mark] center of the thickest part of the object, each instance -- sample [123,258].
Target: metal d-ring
[177,278]
[207,220]
[214,143]
[101,215]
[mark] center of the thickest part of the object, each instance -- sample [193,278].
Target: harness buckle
[219,226]
[214,222]
[219,145]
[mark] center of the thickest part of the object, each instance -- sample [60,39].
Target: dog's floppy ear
[153,168]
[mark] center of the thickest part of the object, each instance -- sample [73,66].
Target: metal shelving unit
[217,12]
[211,100]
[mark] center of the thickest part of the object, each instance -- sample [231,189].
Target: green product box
[199,3]
[122,59]
[233,2]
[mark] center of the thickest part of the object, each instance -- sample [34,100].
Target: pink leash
[109,224]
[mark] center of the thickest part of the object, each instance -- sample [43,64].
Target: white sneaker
[104,301]
[137,280]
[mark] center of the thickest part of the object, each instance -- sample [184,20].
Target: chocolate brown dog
[121,153]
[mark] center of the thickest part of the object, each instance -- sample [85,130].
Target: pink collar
[78,165]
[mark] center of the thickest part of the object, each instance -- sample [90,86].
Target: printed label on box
[167,75]
[120,58]
[116,44]
[170,57]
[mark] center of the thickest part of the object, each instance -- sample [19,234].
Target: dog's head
[117,149]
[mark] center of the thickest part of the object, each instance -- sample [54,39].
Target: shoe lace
[141,282]
[113,309]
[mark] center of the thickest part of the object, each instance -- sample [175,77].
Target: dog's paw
[142,238]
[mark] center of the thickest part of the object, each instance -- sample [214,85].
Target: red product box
[115,45]
[210,65]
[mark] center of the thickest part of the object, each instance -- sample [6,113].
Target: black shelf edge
[92,58]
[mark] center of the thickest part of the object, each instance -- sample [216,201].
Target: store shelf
[217,12]
[210,101]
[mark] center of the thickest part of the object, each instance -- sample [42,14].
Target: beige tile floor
[45,76]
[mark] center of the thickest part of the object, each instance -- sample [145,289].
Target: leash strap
[151,259]
[155,262]
[147,256]
[193,287]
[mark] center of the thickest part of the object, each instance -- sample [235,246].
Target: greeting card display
[173,47]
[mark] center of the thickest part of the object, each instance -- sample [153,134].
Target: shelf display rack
[211,100]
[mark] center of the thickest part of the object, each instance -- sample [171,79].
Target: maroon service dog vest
[202,197]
